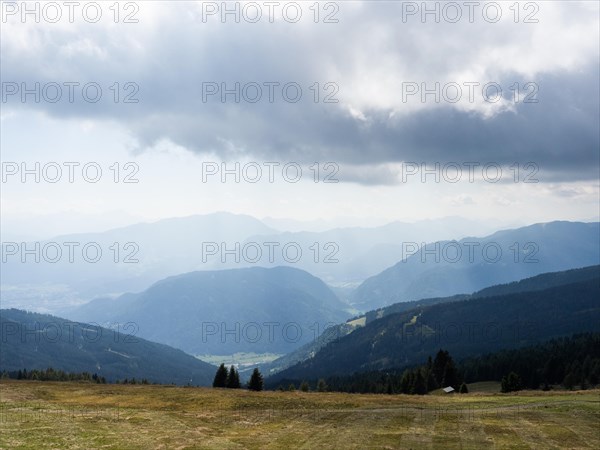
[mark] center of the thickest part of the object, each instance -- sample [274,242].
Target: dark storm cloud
[559,133]
[367,56]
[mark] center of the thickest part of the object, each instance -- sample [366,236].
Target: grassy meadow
[89,416]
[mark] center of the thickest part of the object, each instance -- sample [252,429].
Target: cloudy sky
[389,112]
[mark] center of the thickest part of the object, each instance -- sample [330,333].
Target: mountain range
[497,318]
[446,268]
[136,256]
[536,283]
[223,312]
[285,310]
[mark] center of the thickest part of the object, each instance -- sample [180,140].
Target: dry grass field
[90,416]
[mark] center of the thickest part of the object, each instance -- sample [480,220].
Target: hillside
[465,328]
[536,283]
[39,341]
[223,312]
[568,362]
[540,282]
[454,267]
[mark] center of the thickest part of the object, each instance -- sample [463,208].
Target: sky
[349,112]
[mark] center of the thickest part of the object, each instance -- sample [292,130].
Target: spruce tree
[256,381]
[389,386]
[439,365]
[233,379]
[569,381]
[430,380]
[515,382]
[220,377]
[304,387]
[511,382]
[322,386]
[450,377]
[419,387]
[406,382]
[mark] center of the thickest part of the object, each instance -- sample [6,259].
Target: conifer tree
[511,382]
[322,386]
[439,365]
[233,379]
[406,382]
[419,387]
[450,377]
[256,381]
[220,377]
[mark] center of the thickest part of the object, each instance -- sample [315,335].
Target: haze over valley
[327,224]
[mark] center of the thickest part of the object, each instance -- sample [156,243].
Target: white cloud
[369,54]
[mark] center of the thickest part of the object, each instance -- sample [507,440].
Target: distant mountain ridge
[135,256]
[453,267]
[156,250]
[356,253]
[38,341]
[223,312]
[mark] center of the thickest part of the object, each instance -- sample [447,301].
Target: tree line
[569,362]
[321,386]
[230,379]
[51,374]
[438,372]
